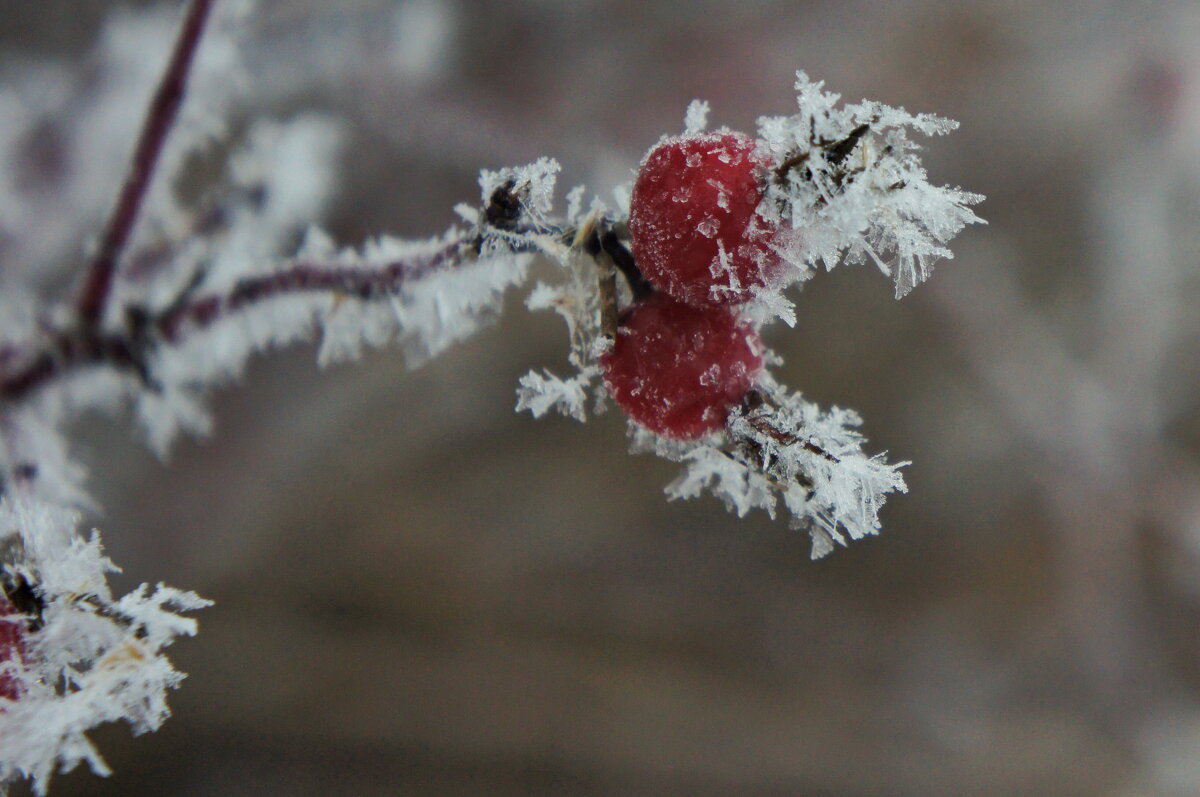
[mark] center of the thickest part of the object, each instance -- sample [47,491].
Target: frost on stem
[426,295]
[97,659]
[779,447]
[849,181]
[578,300]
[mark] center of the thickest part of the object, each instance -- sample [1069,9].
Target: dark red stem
[361,283]
[159,117]
[65,352]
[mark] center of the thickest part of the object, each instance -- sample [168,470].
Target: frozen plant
[721,222]
[663,300]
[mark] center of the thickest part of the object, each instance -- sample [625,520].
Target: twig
[622,258]
[764,425]
[68,350]
[159,117]
[362,283]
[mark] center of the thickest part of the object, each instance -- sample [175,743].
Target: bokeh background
[421,592]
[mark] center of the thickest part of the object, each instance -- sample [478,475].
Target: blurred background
[419,591]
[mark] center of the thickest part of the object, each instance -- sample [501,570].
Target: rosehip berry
[693,221]
[676,369]
[12,642]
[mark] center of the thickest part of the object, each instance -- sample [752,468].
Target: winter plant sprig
[663,291]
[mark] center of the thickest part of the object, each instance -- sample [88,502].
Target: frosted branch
[218,283]
[157,125]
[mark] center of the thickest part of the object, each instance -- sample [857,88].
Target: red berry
[677,369]
[12,643]
[693,221]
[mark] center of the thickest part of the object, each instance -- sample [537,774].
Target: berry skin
[676,369]
[12,643]
[694,205]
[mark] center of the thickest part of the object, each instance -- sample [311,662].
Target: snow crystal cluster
[88,658]
[849,181]
[794,452]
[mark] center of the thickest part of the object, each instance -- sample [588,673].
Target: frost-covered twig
[849,178]
[87,658]
[779,447]
[221,282]
[93,658]
[159,118]
[22,373]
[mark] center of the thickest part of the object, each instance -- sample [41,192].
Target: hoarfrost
[450,306]
[534,190]
[850,182]
[202,287]
[95,659]
[786,448]
[578,304]
[195,299]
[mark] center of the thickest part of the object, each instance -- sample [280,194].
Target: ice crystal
[696,118]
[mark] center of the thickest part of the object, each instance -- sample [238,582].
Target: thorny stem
[159,118]
[65,352]
[131,349]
